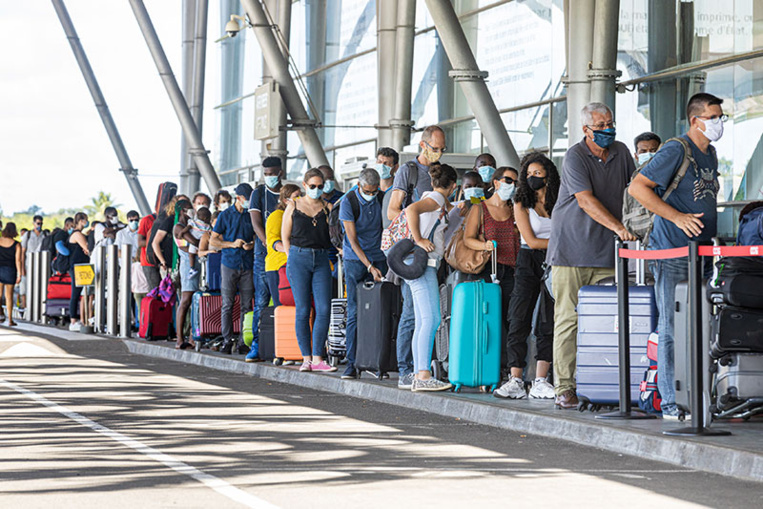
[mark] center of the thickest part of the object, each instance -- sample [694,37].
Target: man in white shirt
[31,242]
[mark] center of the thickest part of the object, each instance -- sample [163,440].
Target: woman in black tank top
[10,268]
[79,254]
[305,236]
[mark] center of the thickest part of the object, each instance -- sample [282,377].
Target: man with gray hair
[361,215]
[587,215]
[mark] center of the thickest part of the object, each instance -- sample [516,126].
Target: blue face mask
[486,172]
[384,171]
[474,193]
[87,223]
[328,186]
[367,197]
[314,193]
[134,225]
[506,191]
[272,181]
[70,231]
[604,137]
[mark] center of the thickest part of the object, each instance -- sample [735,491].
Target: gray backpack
[636,218]
[413,180]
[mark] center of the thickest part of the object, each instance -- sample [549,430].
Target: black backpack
[91,238]
[336,228]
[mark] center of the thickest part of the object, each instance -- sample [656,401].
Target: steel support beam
[186,83]
[386,21]
[278,66]
[192,136]
[604,71]
[401,122]
[131,174]
[580,24]
[199,74]
[280,12]
[472,81]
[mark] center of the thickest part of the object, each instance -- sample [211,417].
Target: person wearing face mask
[387,162]
[536,195]
[79,254]
[361,216]
[595,172]
[472,192]
[222,200]
[689,213]
[646,145]
[412,180]
[493,221]
[485,164]
[276,257]
[201,200]
[189,280]
[331,195]
[263,202]
[31,242]
[165,193]
[106,232]
[129,237]
[233,233]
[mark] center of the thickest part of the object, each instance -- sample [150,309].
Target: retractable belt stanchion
[125,291]
[112,291]
[42,285]
[100,290]
[31,287]
[624,343]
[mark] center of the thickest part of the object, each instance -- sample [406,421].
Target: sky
[54,151]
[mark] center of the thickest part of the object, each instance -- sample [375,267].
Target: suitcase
[286,345]
[739,381]
[681,347]
[206,316]
[60,287]
[155,319]
[336,347]
[744,291]
[379,307]
[736,330]
[598,373]
[285,297]
[211,272]
[248,333]
[57,309]
[475,334]
[267,339]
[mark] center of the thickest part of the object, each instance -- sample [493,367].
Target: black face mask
[536,183]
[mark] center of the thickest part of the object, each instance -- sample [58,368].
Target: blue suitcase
[597,352]
[211,269]
[475,335]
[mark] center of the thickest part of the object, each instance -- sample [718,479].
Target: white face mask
[506,191]
[713,131]
[645,158]
[224,205]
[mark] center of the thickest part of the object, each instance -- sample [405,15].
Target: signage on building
[266,101]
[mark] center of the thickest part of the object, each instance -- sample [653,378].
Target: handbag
[396,231]
[165,292]
[461,257]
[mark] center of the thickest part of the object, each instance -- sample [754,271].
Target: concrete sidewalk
[739,455]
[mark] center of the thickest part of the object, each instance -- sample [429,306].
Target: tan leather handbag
[461,257]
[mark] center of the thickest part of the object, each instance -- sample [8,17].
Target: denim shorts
[188,283]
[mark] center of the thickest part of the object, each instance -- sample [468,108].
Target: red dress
[505,234]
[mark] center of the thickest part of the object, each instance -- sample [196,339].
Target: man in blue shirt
[689,213]
[361,214]
[233,233]
[262,203]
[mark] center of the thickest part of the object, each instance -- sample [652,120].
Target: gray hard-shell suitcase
[739,380]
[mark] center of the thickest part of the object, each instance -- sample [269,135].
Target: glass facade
[703,45]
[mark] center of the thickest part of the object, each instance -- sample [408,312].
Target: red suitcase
[285,297]
[60,287]
[155,319]
[206,317]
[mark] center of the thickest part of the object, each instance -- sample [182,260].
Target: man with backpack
[31,242]
[689,167]
[411,182]
[361,214]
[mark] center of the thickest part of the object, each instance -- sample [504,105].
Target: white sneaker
[513,389]
[75,327]
[541,389]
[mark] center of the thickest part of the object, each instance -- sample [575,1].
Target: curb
[689,453]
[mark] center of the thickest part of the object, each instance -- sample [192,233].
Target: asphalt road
[86,424]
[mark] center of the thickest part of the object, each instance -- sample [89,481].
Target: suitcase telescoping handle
[494,262]
[339,277]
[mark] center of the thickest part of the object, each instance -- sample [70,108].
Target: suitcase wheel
[457,388]
[334,360]
[277,361]
[583,404]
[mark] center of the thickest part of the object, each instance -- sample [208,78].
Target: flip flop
[184,345]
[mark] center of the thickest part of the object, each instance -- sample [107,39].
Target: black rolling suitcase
[267,338]
[379,308]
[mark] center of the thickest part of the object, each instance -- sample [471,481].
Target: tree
[99,204]
[33,210]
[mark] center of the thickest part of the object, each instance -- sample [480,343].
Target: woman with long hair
[535,199]
[10,268]
[79,254]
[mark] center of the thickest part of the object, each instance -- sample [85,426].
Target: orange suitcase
[287,347]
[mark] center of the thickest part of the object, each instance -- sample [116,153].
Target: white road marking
[217,484]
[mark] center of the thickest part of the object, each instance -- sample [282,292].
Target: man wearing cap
[233,233]
[263,202]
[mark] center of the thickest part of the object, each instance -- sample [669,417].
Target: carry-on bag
[211,272]
[267,339]
[739,382]
[57,309]
[336,347]
[682,345]
[286,344]
[475,333]
[206,315]
[379,309]
[285,295]
[60,287]
[155,319]
[736,330]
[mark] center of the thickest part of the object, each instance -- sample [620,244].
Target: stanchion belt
[683,252]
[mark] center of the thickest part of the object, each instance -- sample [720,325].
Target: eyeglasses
[602,125]
[509,180]
[371,193]
[313,186]
[714,119]
[436,150]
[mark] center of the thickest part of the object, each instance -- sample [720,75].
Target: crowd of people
[551,233]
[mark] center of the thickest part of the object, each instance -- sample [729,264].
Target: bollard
[31,287]
[42,286]
[125,291]
[99,300]
[112,290]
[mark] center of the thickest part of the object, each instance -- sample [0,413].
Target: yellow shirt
[274,260]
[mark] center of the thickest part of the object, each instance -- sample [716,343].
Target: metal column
[112,289]
[131,174]
[199,73]
[277,146]
[31,286]
[278,66]
[581,51]
[99,301]
[472,81]
[186,80]
[401,122]
[386,20]
[125,292]
[192,136]
[604,60]
[42,285]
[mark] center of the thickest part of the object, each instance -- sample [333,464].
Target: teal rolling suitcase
[475,334]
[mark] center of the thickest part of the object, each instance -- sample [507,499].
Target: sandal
[12,324]
[184,345]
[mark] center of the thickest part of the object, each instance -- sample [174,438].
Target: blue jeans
[234,281]
[261,297]
[426,306]
[667,274]
[309,273]
[273,280]
[355,273]
[405,332]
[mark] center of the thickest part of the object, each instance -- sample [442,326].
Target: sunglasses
[509,180]
[313,186]
[38,224]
